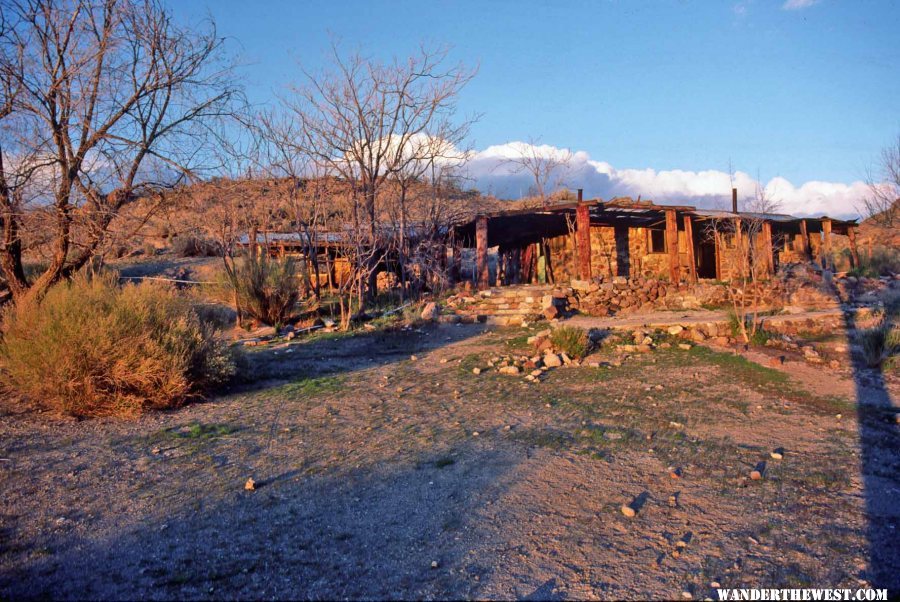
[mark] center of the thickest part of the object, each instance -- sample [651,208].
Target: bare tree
[547,168]
[883,203]
[749,258]
[112,99]
[358,119]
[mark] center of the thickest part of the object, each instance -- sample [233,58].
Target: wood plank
[826,247]
[672,244]
[689,240]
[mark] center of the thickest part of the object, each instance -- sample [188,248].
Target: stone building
[637,239]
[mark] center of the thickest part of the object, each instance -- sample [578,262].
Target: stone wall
[615,252]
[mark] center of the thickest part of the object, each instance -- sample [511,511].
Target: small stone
[628,510]
[777,454]
[413,358]
[675,330]
[155,451]
[250,485]
[551,360]
[474,433]
[476,371]
[684,346]
[687,595]
[444,360]
[755,475]
[513,370]
[434,564]
[715,584]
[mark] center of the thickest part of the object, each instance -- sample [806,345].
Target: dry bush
[881,344]
[266,289]
[92,348]
[882,261]
[571,340]
[195,246]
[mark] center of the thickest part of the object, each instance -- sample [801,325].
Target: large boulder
[431,311]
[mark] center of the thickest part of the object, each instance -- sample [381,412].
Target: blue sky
[805,94]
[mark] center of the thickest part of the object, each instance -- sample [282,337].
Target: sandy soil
[380,476]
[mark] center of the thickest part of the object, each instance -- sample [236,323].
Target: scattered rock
[434,564]
[512,370]
[675,330]
[551,360]
[476,371]
[250,485]
[431,311]
[628,511]
[684,346]
[777,454]
[413,358]
[755,475]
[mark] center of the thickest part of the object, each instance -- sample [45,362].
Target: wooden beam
[769,252]
[528,264]
[689,242]
[739,246]
[583,236]
[854,253]
[672,244]
[826,247]
[481,252]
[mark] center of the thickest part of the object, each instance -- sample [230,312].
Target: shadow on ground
[879,441]
[369,535]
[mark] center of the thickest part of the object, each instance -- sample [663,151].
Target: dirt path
[384,476]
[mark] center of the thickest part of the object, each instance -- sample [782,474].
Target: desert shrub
[195,246]
[266,288]
[571,340]
[92,348]
[883,261]
[881,344]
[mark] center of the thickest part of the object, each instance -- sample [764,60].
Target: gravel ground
[379,476]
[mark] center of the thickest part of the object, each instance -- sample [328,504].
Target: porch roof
[523,226]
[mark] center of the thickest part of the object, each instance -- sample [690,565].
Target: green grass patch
[197,431]
[311,387]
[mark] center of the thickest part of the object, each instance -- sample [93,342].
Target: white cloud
[491,171]
[798,4]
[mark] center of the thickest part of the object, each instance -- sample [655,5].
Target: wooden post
[481,252]
[583,237]
[804,238]
[826,247]
[854,254]
[689,242]
[672,244]
[767,240]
